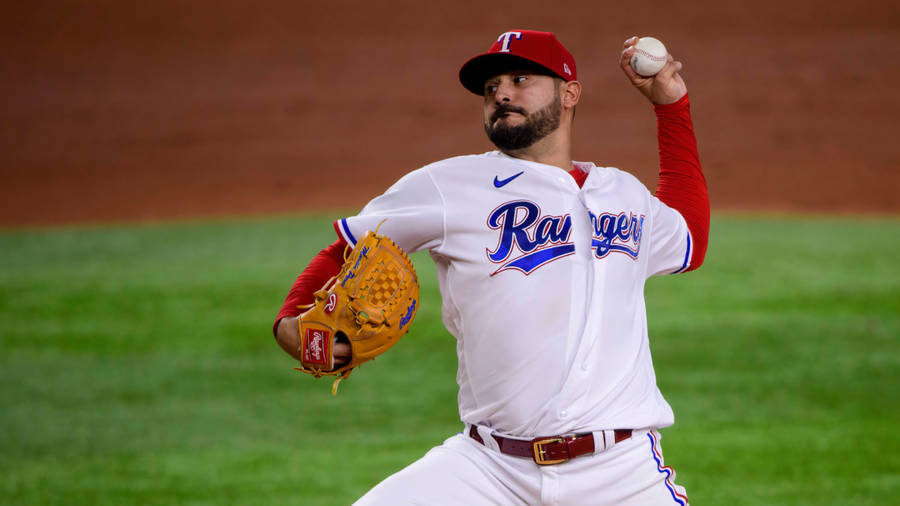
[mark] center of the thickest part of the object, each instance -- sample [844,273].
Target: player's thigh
[632,473]
[456,472]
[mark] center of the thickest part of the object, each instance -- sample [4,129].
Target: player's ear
[570,93]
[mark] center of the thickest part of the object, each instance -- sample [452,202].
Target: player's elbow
[700,236]
[698,224]
[697,259]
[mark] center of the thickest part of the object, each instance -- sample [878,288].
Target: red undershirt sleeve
[681,183]
[322,267]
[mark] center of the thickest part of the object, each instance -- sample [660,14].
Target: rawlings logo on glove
[369,305]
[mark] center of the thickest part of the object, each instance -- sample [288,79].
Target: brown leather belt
[552,449]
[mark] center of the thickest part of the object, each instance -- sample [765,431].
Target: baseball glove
[370,304]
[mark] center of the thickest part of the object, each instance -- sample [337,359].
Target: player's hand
[288,337]
[342,354]
[666,87]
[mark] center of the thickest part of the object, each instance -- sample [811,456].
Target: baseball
[649,56]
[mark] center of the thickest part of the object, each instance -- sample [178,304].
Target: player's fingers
[625,56]
[630,42]
[671,68]
[342,354]
[625,63]
[342,350]
[674,62]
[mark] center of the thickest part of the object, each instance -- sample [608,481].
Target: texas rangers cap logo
[518,50]
[505,38]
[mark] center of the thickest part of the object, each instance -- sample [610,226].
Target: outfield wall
[117,111]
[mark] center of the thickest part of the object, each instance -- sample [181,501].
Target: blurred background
[149,110]
[167,169]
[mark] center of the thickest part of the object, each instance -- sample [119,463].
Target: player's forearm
[677,143]
[682,185]
[287,333]
[322,267]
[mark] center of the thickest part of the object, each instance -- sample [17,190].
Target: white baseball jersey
[542,285]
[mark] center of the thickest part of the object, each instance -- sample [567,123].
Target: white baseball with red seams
[649,56]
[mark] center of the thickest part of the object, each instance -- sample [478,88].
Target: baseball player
[541,262]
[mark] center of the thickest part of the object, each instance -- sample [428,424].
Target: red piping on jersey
[681,183]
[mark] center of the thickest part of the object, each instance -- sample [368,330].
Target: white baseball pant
[464,472]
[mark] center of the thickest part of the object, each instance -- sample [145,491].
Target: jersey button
[563,414]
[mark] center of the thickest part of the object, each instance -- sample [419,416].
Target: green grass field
[138,367]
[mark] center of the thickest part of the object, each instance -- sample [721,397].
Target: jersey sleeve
[411,213]
[670,240]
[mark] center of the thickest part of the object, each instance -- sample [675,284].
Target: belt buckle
[539,451]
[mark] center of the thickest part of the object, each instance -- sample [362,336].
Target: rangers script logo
[619,233]
[527,239]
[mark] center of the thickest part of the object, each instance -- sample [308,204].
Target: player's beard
[536,126]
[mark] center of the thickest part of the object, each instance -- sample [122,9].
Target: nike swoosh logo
[499,183]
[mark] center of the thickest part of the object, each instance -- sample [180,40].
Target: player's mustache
[504,109]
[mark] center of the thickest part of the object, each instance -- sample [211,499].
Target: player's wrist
[288,335]
[675,107]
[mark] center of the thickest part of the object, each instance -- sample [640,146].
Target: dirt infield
[117,111]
